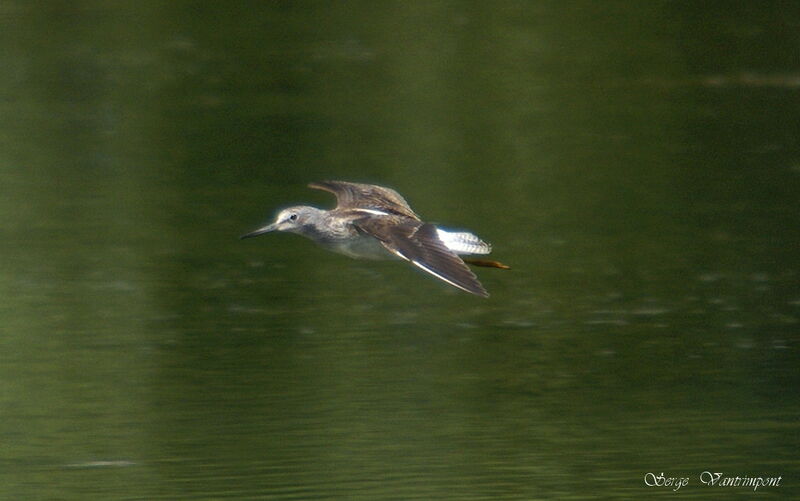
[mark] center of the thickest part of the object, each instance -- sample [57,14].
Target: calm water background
[637,163]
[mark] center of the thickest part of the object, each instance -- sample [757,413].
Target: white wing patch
[462,242]
[374,212]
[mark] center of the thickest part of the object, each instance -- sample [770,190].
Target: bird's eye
[293,217]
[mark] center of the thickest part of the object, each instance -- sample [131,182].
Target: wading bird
[374,222]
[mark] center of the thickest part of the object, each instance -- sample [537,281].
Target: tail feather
[463,242]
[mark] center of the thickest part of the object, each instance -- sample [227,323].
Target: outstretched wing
[366,196]
[419,243]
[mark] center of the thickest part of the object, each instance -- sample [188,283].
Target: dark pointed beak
[260,231]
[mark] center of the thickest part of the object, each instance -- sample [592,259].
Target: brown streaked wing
[419,243]
[366,196]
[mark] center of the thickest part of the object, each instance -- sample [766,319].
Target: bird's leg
[486,263]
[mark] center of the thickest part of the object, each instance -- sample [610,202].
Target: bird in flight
[374,222]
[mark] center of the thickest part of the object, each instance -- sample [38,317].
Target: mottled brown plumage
[366,196]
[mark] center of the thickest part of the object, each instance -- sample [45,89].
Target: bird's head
[292,219]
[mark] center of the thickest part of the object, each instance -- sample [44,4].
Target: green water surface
[636,163]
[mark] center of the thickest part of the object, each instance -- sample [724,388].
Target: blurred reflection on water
[637,165]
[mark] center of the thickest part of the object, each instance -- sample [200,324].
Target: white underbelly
[363,247]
